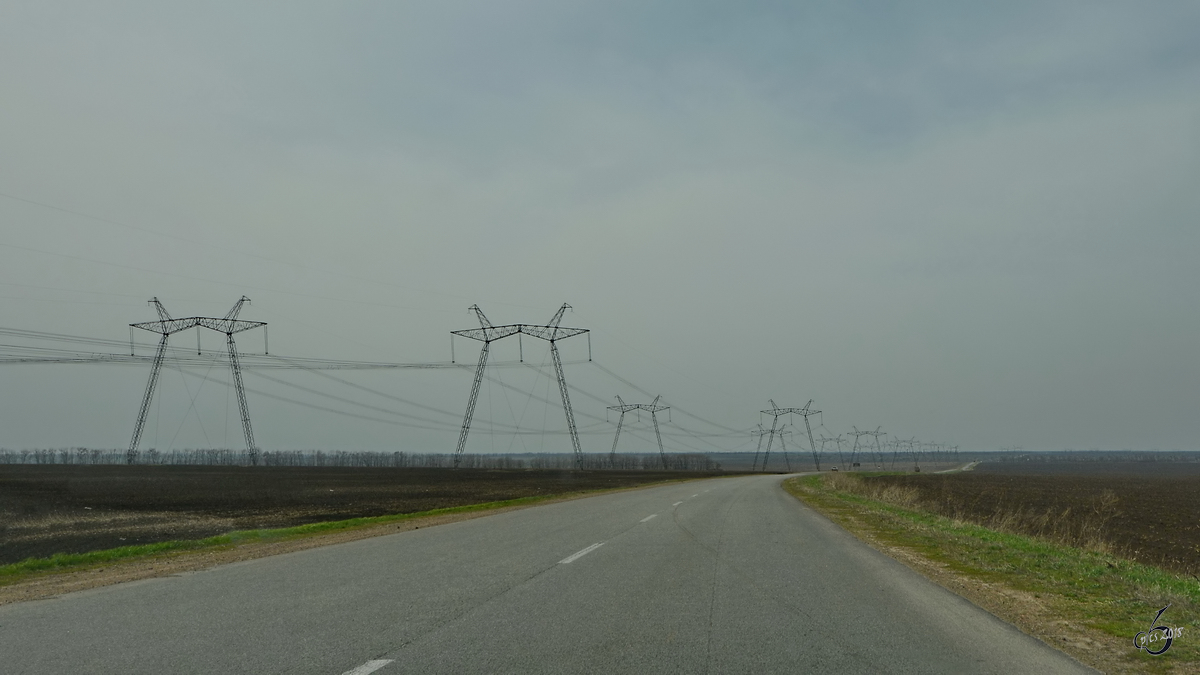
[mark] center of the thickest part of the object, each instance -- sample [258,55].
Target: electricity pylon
[166,327]
[932,449]
[824,440]
[838,441]
[781,432]
[878,450]
[776,412]
[914,451]
[487,334]
[854,450]
[653,408]
[807,412]
[760,432]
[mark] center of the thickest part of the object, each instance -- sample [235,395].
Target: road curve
[729,575]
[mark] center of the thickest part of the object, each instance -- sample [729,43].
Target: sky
[973,223]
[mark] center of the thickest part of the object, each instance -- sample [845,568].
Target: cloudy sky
[974,223]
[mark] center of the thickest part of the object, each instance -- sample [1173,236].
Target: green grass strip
[66,561]
[1102,591]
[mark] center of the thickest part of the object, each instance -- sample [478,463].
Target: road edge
[53,583]
[1018,608]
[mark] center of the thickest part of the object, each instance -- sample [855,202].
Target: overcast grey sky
[975,223]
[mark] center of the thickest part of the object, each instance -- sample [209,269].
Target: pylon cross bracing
[487,333]
[167,326]
[653,408]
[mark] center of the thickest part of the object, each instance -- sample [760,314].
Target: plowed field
[50,509]
[1149,512]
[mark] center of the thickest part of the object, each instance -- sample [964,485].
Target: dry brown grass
[1082,526]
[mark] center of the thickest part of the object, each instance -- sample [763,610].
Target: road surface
[729,575]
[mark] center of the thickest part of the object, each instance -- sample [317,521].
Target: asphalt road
[723,576]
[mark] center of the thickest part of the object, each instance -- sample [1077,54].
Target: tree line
[323,458]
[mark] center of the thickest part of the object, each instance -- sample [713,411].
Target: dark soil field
[48,509]
[1146,511]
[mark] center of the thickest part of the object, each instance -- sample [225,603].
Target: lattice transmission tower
[854,450]
[166,326]
[653,408]
[760,432]
[836,440]
[487,334]
[914,450]
[878,449]
[776,412]
[781,432]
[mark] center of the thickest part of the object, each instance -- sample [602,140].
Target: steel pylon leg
[812,444]
[466,425]
[770,440]
[612,457]
[566,399]
[754,466]
[661,452]
[131,455]
[783,444]
[235,365]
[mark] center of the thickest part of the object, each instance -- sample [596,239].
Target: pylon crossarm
[166,327]
[493,333]
[487,334]
[466,425]
[550,333]
[228,326]
[172,326]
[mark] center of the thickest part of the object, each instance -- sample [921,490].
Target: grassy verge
[1110,597]
[62,562]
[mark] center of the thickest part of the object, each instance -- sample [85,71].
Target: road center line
[369,667]
[695,495]
[648,518]
[676,503]
[576,556]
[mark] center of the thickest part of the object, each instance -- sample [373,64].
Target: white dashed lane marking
[368,667]
[676,503]
[576,556]
[648,518]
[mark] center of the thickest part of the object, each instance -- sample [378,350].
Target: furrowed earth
[49,509]
[1144,511]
